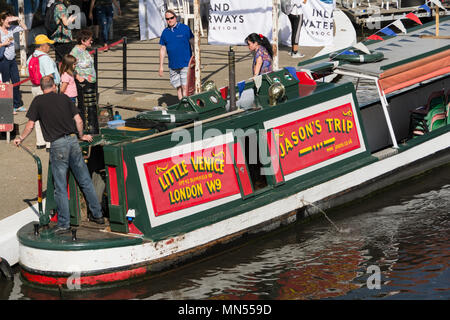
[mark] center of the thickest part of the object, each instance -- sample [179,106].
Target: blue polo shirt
[176,41]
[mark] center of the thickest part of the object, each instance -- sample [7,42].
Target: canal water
[396,246]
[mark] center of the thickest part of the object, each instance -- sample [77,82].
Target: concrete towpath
[18,170]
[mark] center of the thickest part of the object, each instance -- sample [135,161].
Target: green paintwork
[282,76]
[251,119]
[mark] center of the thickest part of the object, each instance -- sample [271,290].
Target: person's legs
[15,77]
[175,81]
[80,98]
[103,22]
[3,70]
[59,160]
[95,26]
[109,13]
[294,19]
[81,173]
[297,33]
[183,80]
[181,92]
[40,142]
[296,24]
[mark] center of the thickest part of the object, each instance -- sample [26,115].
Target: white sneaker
[297,55]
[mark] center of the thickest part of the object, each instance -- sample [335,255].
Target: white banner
[231,21]
[317,26]
[151,18]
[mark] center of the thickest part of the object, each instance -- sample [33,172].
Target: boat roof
[398,50]
[402,49]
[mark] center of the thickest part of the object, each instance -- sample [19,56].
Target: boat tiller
[44,219]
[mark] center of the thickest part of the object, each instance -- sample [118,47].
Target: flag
[361,47]
[292,71]
[241,86]
[413,17]
[400,26]
[388,31]
[224,92]
[374,37]
[351,53]
[438,3]
[425,7]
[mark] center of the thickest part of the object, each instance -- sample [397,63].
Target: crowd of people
[73,69]
[74,75]
[100,13]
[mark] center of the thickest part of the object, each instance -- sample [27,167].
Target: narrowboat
[177,182]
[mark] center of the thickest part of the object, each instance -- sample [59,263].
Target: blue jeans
[10,71]
[66,153]
[104,18]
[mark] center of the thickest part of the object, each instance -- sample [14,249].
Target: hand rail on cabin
[383,100]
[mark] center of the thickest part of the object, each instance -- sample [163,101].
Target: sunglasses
[170,18]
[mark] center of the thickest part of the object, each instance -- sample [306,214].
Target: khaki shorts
[178,77]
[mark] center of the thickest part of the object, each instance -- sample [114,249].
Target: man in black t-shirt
[60,123]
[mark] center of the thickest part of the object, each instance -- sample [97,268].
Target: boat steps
[86,238]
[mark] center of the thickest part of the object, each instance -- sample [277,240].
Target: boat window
[200,103]
[213,99]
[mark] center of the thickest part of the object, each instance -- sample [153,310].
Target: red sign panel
[6,107]
[314,139]
[191,179]
[6,90]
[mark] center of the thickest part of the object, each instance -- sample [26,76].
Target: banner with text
[317,26]
[231,21]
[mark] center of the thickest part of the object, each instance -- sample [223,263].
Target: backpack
[49,21]
[34,70]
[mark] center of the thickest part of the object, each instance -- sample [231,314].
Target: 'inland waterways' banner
[191,179]
[325,135]
[317,26]
[231,21]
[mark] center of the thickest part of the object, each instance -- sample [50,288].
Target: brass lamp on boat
[208,85]
[276,92]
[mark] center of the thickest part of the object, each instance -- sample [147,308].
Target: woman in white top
[8,65]
[294,11]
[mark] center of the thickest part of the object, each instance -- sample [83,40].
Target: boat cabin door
[256,161]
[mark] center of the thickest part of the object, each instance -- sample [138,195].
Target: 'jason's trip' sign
[316,138]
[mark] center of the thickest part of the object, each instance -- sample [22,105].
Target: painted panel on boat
[187,179]
[320,135]
[184,181]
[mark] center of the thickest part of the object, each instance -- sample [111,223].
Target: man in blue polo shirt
[176,41]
